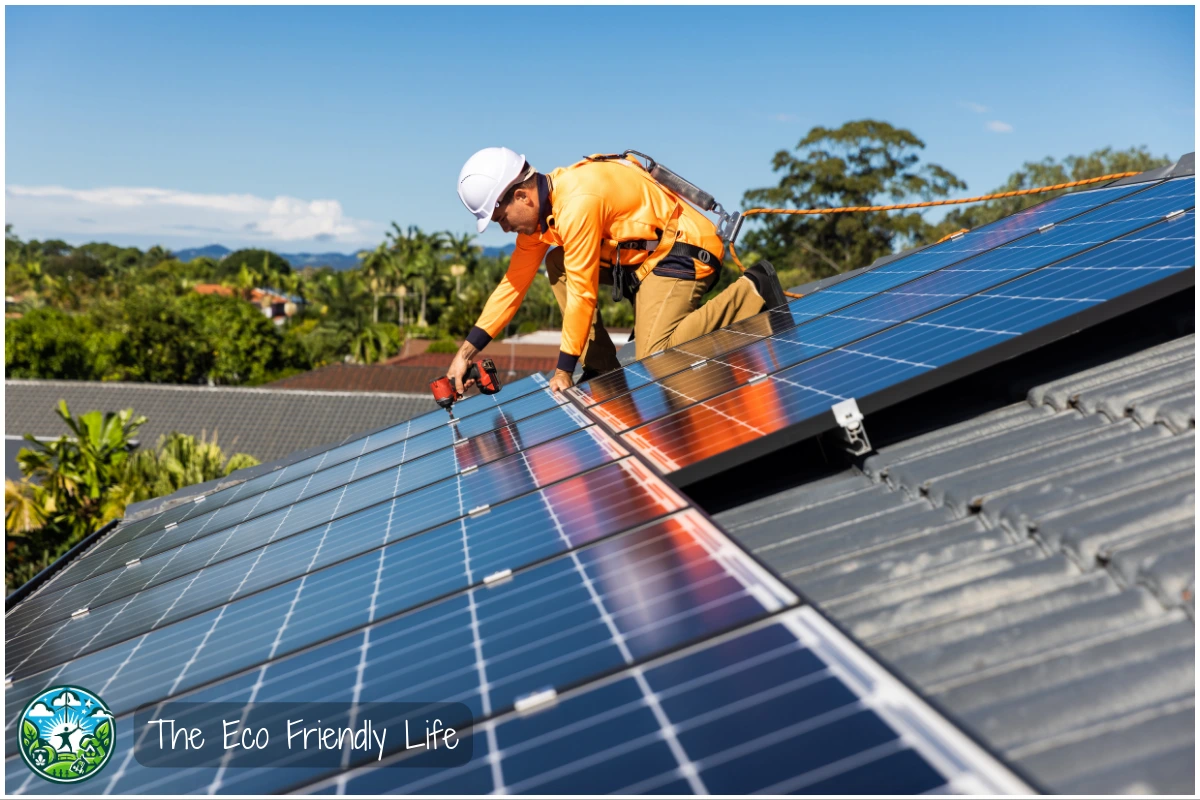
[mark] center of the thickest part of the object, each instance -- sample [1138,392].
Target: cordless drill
[482,372]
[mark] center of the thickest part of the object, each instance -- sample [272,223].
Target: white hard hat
[485,178]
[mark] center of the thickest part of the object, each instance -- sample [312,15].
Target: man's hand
[460,365]
[561,380]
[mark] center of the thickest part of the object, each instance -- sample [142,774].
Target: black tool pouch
[625,282]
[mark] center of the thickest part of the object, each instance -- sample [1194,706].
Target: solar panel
[811,337]
[900,357]
[882,278]
[406,441]
[532,427]
[430,505]
[554,624]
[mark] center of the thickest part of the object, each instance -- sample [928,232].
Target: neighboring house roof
[212,288]
[376,378]
[264,422]
[523,364]
[1032,569]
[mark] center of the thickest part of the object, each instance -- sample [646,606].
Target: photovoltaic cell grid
[42,647]
[717,717]
[561,622]
[177,552]
[783,706]
[793,378]
[407,441]
[882,278]
[817,334]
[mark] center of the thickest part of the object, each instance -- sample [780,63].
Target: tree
[1046,172]
[420,256]
[160,343]
[254,259]
[77,471]
[75,484]
[380,270]
[375,342]
[179,460]
[862,163]
[48,343]
[245,347]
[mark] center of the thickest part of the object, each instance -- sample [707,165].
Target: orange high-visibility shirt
[593,205]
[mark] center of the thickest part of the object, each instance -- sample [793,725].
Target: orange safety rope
[926,204]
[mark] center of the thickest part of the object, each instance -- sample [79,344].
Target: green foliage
[246,347]
[80,481]
[180,460]
[442,346]
[862,163]
[231,264]
[375,342]
[1046,172]
[48,343]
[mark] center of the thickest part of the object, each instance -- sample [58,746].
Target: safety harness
[626,280]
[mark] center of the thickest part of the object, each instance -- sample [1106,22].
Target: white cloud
[996,126]
[40,710]
[100,712]
[66,699]
[168,212]
[978,108]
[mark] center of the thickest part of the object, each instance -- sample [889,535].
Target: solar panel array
[599,632]
[516,552]
[885,334]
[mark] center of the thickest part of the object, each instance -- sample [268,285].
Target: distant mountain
[297,260]
[216,251]
[338,261]
[335,260]
[493,252]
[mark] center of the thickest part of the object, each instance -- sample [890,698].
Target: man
[609,223]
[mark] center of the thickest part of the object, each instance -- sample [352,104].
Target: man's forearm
[468,351]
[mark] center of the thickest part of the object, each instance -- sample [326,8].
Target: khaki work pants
[667,312]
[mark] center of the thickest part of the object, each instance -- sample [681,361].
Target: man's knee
[555,268]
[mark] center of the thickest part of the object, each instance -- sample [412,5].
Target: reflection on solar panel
[776,707]
[887,346]
[531,559]
[877,280]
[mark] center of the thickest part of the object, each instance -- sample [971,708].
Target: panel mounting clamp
[534,700]
[849,420]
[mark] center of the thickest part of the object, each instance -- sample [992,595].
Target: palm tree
[421,256]
[379,268]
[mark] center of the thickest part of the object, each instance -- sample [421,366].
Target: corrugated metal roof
[266,423]
[1032,569]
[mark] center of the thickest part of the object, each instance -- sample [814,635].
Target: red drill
[482,372]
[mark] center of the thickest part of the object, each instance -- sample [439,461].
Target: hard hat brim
[482,223]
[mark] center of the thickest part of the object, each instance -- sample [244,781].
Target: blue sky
[310,129]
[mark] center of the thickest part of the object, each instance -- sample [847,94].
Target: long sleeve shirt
[593,205]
